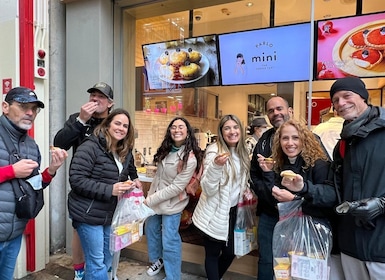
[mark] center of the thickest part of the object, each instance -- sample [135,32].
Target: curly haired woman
[297,149]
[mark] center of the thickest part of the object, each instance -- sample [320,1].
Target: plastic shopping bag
[128,219]
[301,244]
[245,231]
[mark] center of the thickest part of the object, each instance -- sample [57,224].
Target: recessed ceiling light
[249,4]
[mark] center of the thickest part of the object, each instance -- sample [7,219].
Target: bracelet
[297,197]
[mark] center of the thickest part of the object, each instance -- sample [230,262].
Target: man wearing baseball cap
[79,126]
[359,166]
[20,108]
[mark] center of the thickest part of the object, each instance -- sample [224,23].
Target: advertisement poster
[352,46]
[191,62]
[280,54]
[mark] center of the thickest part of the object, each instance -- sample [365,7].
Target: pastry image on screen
[191,62]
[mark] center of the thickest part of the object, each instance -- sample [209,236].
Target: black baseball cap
[23,95]
[103,88]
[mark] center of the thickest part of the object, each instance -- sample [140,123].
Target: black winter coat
[361,174]
[93,172]
[73,133]
[266,202]
[319,192]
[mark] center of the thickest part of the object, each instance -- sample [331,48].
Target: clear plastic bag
[245,230]
[301,244]
[128,219]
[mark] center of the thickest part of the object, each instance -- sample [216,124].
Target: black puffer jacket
[93,172]
[319,192]
[73,133]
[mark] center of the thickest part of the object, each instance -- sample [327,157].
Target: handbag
[195,181]
[29,201]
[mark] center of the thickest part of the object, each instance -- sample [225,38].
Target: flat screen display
[351,46]
[279,54]
[191,62]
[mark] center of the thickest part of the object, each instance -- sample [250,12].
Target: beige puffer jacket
[166,195]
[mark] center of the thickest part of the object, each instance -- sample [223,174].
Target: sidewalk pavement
[60,268]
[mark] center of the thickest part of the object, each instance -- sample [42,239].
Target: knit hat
[353,84]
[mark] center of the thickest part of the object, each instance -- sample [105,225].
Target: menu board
[270,55]
[351,46]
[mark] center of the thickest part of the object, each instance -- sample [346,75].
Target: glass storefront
[158,33]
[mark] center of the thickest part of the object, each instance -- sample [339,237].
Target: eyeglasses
[28,106]
[180,127]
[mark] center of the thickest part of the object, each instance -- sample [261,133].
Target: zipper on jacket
[90,206]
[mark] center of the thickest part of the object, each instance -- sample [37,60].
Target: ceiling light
[249,4]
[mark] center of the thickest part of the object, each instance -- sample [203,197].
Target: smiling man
[360,173]
[278,111]
[78,127]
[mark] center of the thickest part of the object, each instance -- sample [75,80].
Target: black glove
[368,225]
[369,208]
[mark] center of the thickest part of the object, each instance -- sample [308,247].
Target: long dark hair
[124,146]
[191,144]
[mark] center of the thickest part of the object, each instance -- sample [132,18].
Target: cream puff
[190,71]
[178,57]
[164,57]
[194,56]
[288,174]
[167,72]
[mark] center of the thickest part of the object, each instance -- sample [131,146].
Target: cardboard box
[242,242]
[282,271]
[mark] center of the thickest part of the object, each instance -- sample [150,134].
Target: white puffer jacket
[211,214]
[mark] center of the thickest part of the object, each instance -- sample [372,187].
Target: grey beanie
[353,84]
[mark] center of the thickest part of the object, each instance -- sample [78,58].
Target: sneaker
[79,274]
[155,268]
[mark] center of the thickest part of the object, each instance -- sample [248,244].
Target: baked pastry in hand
[288,174]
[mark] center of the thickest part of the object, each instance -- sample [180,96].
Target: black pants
[219,254]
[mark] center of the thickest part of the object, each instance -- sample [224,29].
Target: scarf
[357,126]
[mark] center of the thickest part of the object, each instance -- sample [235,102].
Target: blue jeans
[8,255]
[164,241]
[265,242]
[98,258]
